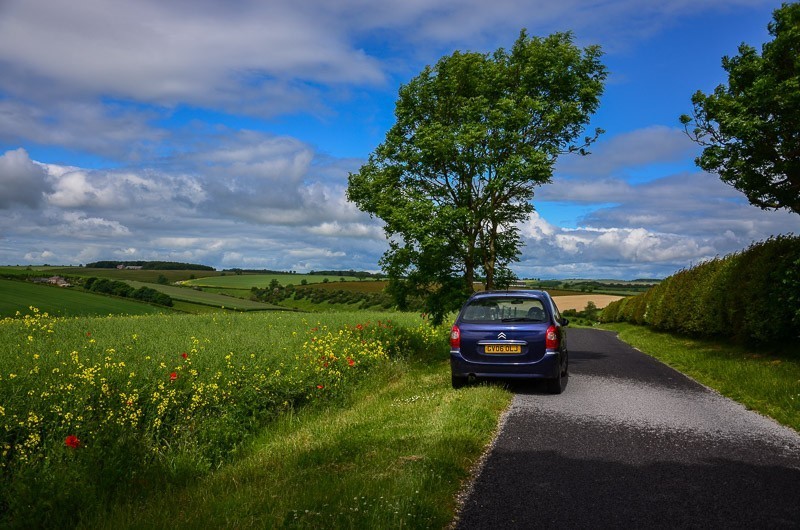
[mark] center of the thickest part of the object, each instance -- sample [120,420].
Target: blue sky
[223,132]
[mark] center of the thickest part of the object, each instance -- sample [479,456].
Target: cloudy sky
[222,132]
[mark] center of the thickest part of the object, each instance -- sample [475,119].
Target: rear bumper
[547,367]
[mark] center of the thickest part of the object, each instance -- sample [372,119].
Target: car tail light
[455,337]
[551,338]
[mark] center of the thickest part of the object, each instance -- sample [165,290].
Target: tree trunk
[490,257]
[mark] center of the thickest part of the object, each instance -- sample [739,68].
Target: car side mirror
[564,322]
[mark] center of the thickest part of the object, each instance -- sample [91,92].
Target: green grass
[764,382]
[195,309]
[201,297]
[234,419]
[20,295]
[247,281]
[393,455]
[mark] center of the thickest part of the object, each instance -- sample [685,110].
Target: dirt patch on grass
[578,302]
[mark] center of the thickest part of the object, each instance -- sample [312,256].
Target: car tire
[557,384]
[457,382]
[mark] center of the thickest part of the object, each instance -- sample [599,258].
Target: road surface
[632,443]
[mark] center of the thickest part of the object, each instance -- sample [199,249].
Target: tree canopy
[750,128]
[473,136]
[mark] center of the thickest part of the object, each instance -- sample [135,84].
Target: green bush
[753,295]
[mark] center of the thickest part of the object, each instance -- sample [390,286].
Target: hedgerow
[123,290]
[753,295]
[376,300]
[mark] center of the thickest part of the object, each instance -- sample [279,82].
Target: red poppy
[72,441]
[173,376]
[184,355]
[359,327]
[351,362]
[320,387]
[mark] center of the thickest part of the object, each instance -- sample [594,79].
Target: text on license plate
[503,348]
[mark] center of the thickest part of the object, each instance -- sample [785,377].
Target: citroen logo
[501,335]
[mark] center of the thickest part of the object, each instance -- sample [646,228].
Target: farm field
[150,276]
[248,281]
[20,295]
[201,297]
[366,286]
[578,301]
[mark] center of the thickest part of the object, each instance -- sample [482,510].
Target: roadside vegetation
[122,409]
[752,297]
[589,316]
[392,454]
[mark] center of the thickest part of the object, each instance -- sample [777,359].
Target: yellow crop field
[579,301]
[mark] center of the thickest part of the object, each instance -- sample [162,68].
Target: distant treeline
[237,270]
[122,289]
[750,296]
[348,273]
[151,265]
[351,272]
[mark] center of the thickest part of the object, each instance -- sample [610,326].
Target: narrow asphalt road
[632,443]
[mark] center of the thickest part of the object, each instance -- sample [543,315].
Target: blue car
[512,335]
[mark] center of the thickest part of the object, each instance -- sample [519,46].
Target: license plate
[502,348]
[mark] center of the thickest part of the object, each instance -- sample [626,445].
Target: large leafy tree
[750,128]
[473,136]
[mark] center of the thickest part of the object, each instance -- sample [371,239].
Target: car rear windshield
[505,309]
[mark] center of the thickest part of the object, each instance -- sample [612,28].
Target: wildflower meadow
[95,408]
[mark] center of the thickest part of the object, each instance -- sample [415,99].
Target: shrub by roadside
[753,295]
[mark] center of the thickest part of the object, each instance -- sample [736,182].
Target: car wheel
[556,385]
[457,382]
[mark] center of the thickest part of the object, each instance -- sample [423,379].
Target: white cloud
[536,228]
[165,53]
[104,128]
[21,180]
[78,226]
[39,257]
[266,58]
[631,150]
[349,230]
[584,252]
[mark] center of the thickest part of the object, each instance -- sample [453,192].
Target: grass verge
[18,295]
[762,381]
[392,455]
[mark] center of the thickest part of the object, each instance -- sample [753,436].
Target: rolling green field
[247,281]
[201,297]
[19,296]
